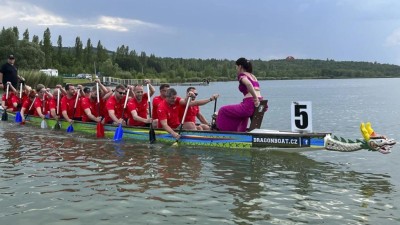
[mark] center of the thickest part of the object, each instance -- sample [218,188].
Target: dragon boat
[256,138]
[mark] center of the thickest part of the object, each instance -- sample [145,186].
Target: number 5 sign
[301,116]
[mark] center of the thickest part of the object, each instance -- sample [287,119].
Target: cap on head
[86,90]
[11,57]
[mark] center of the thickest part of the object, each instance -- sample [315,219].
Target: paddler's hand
[148,120]
[176,136]
[121,121]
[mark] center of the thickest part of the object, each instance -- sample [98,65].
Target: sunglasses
[196,94]
[121,92]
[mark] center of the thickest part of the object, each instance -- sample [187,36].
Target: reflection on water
[47,178]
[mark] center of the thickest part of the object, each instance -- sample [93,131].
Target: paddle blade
[118,133]
[152,136]
[57,126]
[100,130]
[4,117]
[70,128]
[43,124]
[18,118]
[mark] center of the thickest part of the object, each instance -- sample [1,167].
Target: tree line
[39,53]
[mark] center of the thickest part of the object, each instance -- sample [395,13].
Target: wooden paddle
[152,134]
[4,117]
[214,117]
[119,132]
[70,128]
[43,124]
[183,119]
[100,126]
[18,118]
[57,126]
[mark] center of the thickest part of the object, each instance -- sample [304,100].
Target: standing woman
[235,117]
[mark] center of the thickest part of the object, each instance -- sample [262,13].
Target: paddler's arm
[63,91]
[102,87]
[39,111]
[53,113]
[167,128]
[152,90]
[140,119]
[12,88]
[111,113]
[91,116]
[66,117]
[202,119]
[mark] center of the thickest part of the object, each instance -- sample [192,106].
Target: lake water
[49,177]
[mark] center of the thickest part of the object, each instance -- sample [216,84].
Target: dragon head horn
[369,129]
[364,132]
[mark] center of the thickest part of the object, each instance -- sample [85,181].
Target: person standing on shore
[235,117]
[9,73]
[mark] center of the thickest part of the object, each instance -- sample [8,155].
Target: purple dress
[236,117]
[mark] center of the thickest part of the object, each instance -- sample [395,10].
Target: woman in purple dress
[235,117]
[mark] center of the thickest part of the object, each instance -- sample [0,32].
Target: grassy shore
[75,81]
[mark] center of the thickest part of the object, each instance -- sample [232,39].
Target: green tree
[59,50]
[35,39]
[32,57]
[25,35]
[101,53]
[8,42]
[88,54]
[47,48]
[78,51]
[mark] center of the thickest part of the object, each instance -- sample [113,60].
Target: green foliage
[128,64]
[34,78]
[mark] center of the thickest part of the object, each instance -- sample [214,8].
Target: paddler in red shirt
[115,106]
[68,110]
[138,106]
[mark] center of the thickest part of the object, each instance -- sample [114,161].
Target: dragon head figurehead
[374,141]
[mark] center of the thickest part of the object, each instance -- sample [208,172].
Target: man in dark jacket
[8,72]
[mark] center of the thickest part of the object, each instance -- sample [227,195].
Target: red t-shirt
[140,107]
[117,106]
[191,113]
[68,104]
[12,98]
[156,102]
[24,97]
[170,113]
[39,103]
[87,104]
[27,104]
[52,104]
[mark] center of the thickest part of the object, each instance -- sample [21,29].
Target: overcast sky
[343,30]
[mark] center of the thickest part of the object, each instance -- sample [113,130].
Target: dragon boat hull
[258,138]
